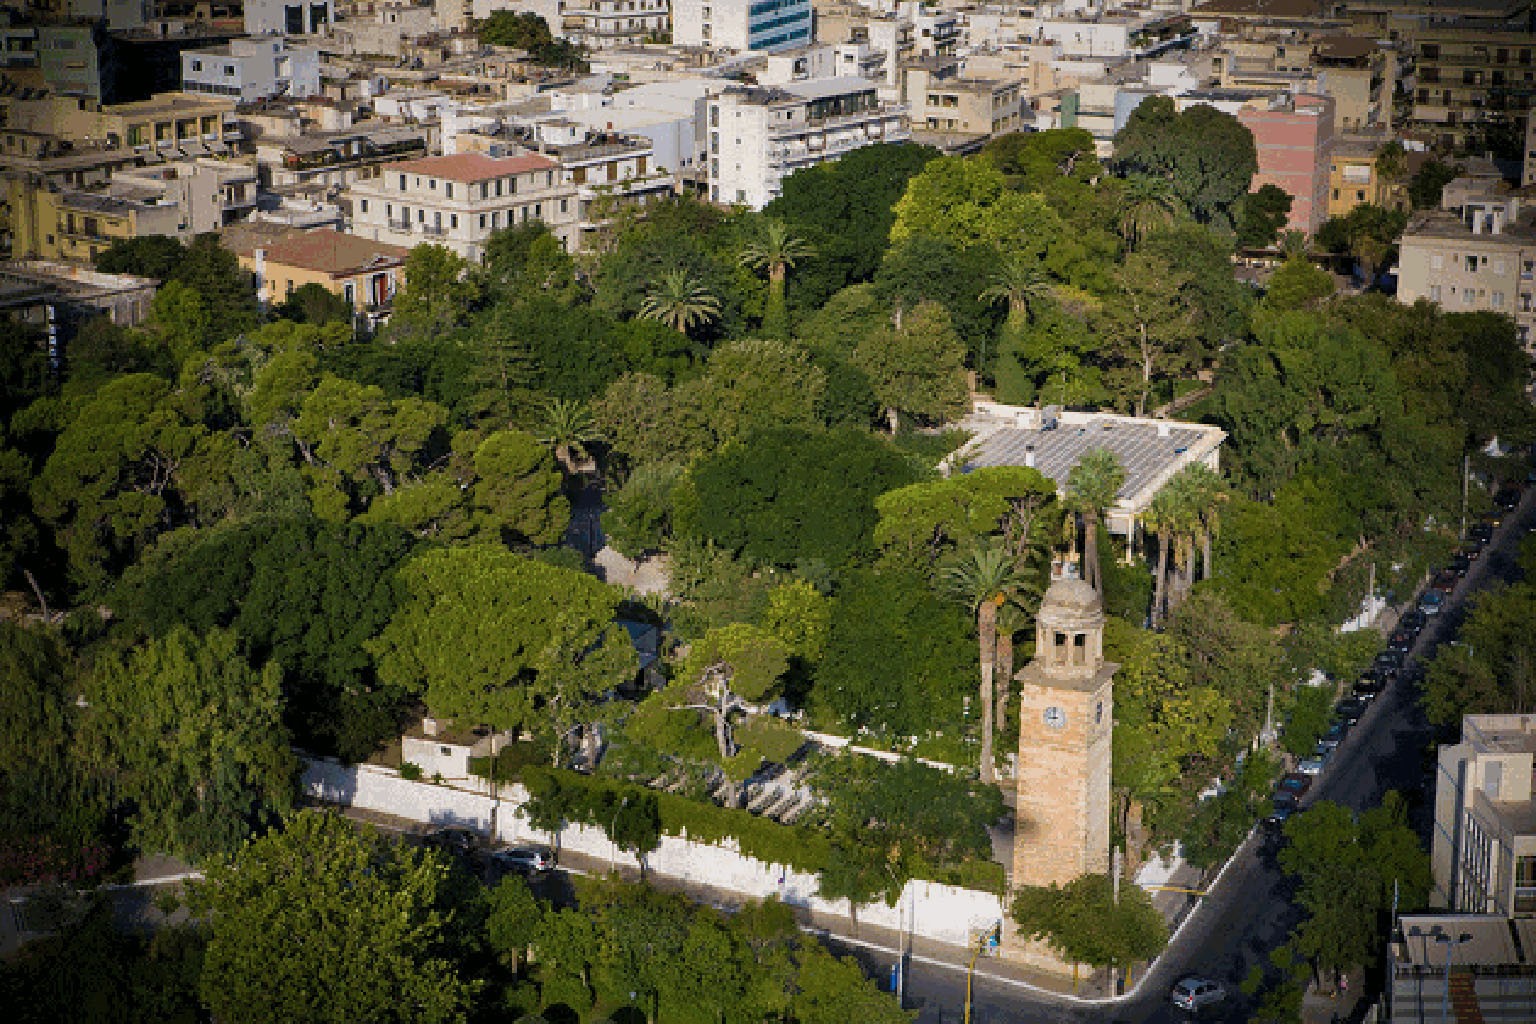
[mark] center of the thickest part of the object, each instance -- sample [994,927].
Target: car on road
[1446,580]
[1311,765]
[1459,564]
[1294,783]
[523,860]
[1508,498]
[1349,710]
[1482,533]
[1195,995]
[1280,809]
[1468,551]
[1330,740]
[1414,620]
[1387,665]
[454,840]
[1369,686]
[1432,603]
[1401,640]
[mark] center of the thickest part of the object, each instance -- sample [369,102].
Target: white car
[1193,995]
[1311,765]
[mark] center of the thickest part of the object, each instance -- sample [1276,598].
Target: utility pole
[1466,472]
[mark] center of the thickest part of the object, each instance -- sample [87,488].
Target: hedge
[590,800]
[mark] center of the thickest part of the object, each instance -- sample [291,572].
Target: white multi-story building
[1483,855]
[458,201]
[742,25]
[595,24]
[757,136]
[287,17]
[252,69]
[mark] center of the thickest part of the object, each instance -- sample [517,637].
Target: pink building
[1294,137]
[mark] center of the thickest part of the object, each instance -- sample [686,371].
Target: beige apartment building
[1478,254]
[1467,74]
[458,201]
[1483,854]
[943,100]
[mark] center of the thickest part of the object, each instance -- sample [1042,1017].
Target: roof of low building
[474,166]
[322,250]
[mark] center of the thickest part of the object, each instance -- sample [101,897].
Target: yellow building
[364,272]
[1354,180]
[76,226]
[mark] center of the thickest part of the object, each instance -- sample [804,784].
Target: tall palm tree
[1208,492]
[680,301]
[1022,283]
[568,429]
[1091,488]
[985,578]
[1011,619]
[1175,517]
[1147,203]
[776,251]
[1158,520]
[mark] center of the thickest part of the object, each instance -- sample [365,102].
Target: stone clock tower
[1066,714]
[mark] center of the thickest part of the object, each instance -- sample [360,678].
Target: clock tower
[1066,719]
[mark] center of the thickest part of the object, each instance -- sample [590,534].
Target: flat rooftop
[1478,940]
[1503,734]
[1150,450]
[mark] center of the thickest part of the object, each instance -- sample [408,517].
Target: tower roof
[1075,597]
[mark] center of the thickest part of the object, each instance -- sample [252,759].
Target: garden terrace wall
[932,910]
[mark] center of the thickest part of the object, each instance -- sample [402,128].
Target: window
[1467,297]
[482,222]
[1436,261]
[1497,300]
[1471,264]
[453,220]
[565,206]
[1434,293]
[363,206]
[402,183]
[229,71]
[498,186]
[197,65]
[448,189]
[432,184]
[349,292]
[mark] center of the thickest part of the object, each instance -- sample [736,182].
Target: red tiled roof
[332,252]
[473,166]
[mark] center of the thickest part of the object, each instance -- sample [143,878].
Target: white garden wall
[940,912]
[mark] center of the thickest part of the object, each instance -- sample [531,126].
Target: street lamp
[613,826]
[1450,950]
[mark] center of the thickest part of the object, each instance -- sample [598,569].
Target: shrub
[410,771]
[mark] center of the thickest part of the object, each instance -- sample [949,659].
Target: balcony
[399,225]
[435,230]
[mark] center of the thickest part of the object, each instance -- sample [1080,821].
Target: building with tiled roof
[365,272]
[460,200]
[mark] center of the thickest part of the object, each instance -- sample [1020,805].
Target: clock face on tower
[1055,717]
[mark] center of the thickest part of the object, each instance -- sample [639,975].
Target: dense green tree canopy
[325,921]
[1207,155]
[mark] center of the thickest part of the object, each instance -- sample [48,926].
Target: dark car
[1414,620]
[1332,738]
[1446,580]
[1401,640]
[1294,783]
[1459,564]
[523,860]
[1283,806]
[1368,687]
[1508,498]
[1387,665]
[454,840]
[1482,533]
[1349,710]
[1469,552]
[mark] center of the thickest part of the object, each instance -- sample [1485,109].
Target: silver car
[524,860]
[1194,995]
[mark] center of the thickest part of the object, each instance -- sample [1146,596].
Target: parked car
[1493,518]
[1195,994]
[1414,620]
[1294,783]
[1469,552]
[454,840]
[1332,738]
[1508,498]
[1446,580]
[1401,640]
[1482,533]
[1349,710]
[1311,765]
[1432,603]
[1386,665]
[1459,564]
[523,860]
[1369,687]
[1282,807]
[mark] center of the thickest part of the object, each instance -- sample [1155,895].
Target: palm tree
[1207,492]
[777,252]
[568,429]
[1091,488]
[1175,517]
[1147,203]
[680,301]
[1022,283]
[1158,519]
[1010,620]
[985,578]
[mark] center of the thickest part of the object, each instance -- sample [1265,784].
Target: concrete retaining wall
[940,912]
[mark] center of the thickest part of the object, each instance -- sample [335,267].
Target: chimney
[1029,456]
[428,726]
[1164,428]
